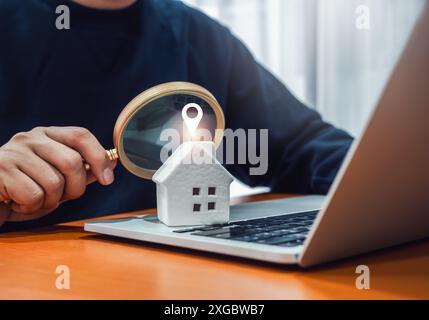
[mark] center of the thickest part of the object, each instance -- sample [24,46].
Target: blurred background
[334,55]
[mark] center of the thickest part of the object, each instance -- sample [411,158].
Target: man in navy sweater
[61,91]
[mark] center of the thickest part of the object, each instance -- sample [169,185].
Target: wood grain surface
[103,267]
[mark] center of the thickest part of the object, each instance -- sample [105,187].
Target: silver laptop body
[379,198]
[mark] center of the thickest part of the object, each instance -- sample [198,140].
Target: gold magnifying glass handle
[112,154]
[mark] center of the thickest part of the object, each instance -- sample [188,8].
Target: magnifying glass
[137,132]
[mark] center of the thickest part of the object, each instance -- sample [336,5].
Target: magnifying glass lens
[141,139]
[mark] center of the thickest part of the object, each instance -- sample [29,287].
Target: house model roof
[192,152]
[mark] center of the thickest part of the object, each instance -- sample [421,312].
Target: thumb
[91,177]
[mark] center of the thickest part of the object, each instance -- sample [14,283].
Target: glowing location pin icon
[192,123]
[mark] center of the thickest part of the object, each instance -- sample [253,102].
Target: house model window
[197,207]
[195,191]
[212,191]
[211,206]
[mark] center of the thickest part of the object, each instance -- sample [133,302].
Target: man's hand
[44,167]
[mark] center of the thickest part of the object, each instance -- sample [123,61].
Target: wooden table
[103,267]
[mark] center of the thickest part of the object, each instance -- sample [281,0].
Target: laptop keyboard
[284,231]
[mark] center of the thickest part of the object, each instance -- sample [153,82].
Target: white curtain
[316,49]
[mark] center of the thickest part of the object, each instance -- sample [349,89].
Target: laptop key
[222,236]
[246,238]
[299,230]
[208,228]
[204,228]
[213,232]
[289,244]
[277,240]
[304,223]
[293,243]
[263,235]
[281,233]
[278,227]
[185,230]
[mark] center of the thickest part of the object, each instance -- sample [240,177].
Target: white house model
[193,187]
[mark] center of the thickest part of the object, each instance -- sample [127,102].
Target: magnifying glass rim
[148,96]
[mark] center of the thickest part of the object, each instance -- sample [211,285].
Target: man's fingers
[89,148]
[69,163]
[46,176]
[44,167]
[26,194]
[19,217]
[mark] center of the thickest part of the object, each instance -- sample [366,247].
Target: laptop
[380,197]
